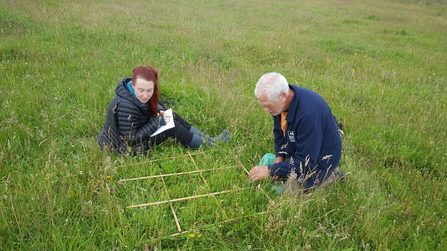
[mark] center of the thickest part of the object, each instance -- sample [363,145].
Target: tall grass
[380,65]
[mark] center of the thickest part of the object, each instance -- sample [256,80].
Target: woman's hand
[166,117]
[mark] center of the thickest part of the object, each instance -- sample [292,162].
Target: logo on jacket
[291,136]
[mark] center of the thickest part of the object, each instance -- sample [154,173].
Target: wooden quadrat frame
[170,200]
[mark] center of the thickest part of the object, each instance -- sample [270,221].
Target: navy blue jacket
[312,144]
[128,125]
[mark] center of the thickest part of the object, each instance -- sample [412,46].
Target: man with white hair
[307,138]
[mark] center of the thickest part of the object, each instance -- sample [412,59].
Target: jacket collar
[293,107]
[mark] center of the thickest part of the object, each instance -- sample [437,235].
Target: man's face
[270,106]
[143,90]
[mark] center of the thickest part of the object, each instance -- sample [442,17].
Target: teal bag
[267,160]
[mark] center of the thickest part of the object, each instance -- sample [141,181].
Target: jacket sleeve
[129,125]
[160,107]
[308,140]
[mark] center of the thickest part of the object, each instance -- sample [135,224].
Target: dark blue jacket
[128,125]
[312,145]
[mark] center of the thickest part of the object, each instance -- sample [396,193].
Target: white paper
[169,119]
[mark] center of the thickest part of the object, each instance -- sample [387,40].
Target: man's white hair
[271,84]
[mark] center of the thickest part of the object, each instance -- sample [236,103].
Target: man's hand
[259,172]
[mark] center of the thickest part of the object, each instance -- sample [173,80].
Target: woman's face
[143,89]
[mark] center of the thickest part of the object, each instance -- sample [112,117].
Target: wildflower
[192,235]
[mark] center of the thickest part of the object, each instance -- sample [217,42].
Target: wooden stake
[222,222]
[172,207]
[172,174]
[150,161]
[185,198]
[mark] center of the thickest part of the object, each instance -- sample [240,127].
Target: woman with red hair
[135,114]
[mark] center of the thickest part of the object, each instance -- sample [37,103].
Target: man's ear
[283,96]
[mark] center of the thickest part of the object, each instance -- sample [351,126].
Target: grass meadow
[381,65]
